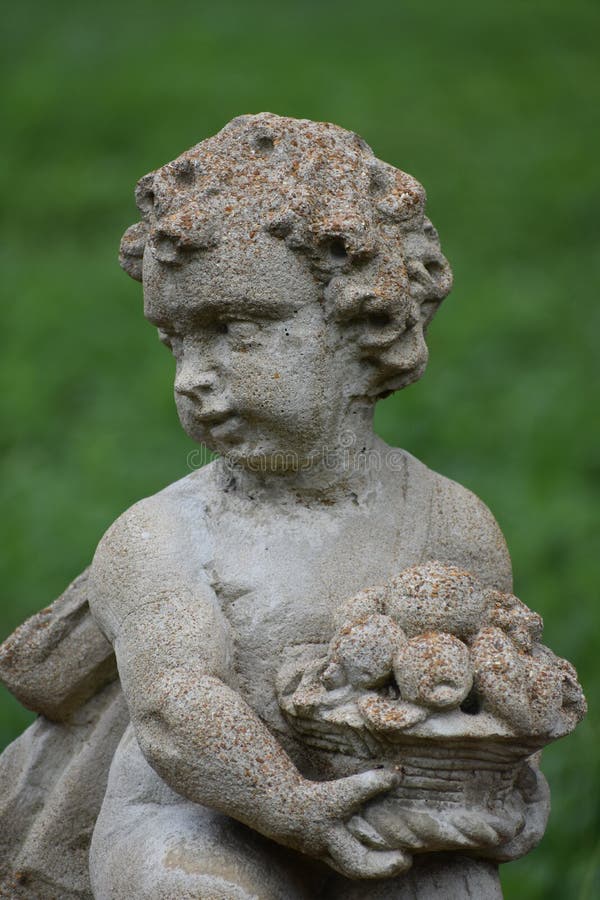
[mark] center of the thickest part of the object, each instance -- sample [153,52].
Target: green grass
[495,108]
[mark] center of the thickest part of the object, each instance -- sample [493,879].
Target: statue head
[279,220]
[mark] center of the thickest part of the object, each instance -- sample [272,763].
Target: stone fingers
[353,859]
[366,834]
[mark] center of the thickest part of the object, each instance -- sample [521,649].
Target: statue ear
[429,274]
[376,321]
[388,334]
[379,327]
[395,345]
[131,251]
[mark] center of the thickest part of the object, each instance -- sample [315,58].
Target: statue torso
[279,573]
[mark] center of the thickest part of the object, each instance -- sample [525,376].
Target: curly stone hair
[359,222]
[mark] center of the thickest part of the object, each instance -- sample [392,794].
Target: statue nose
[194,384]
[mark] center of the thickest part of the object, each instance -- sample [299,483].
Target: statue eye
[221,328]
[242,335]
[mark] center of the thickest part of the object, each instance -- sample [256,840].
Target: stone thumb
[356,789]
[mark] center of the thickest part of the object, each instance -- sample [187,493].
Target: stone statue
[325,686]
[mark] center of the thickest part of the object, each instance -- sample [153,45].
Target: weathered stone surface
[58,658]
[286,741]
[53,781]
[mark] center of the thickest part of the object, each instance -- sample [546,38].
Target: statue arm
[174,654]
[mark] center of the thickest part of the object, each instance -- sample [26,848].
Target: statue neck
[346,466]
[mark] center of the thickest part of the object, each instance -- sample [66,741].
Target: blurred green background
[494,107]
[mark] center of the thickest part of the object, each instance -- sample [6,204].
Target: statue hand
[327,824]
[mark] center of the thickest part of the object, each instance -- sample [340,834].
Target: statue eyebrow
[247,306]
[235,307]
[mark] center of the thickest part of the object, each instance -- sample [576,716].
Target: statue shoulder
[463,532]
[159,544]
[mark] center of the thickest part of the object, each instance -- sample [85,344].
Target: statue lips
[221,424]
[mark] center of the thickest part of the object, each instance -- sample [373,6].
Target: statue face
[256,375]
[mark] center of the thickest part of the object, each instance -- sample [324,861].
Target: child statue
[293,277]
